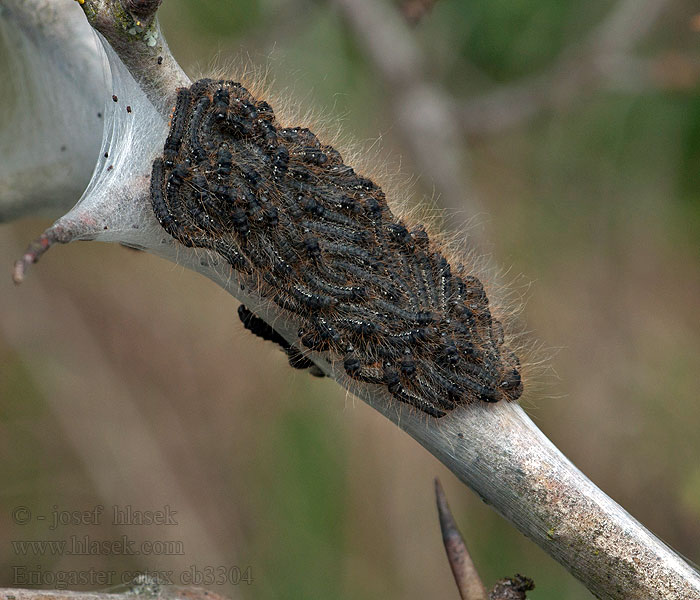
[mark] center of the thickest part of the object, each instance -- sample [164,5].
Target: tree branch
[133,32]
[604,59]
[494,449]
[425,114]
[42,46]
[171,592]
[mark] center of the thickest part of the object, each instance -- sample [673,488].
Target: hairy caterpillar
[319,240]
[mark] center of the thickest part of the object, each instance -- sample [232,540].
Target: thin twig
[38,247]
[35,249]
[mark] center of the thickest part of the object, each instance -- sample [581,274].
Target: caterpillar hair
[306,231]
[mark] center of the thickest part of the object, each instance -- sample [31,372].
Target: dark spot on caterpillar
[308,233]
[352,365]
[280,160]
[114,98]
[128,109]
[160,60]
[312,247]
[408,365]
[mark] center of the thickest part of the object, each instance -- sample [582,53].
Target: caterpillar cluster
[319,240]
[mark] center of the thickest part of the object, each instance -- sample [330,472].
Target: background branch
[44,45]
[171,592]
[415,10]
[424,113]
[604,59]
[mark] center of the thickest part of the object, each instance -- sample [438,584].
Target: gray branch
[132,31]
[42,47]
[137,591]
[494,449]
[426,116]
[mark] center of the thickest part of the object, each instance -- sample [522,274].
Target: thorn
[467,579]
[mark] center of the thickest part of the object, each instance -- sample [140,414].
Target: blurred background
[560,138]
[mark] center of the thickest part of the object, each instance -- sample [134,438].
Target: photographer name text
[97,515]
